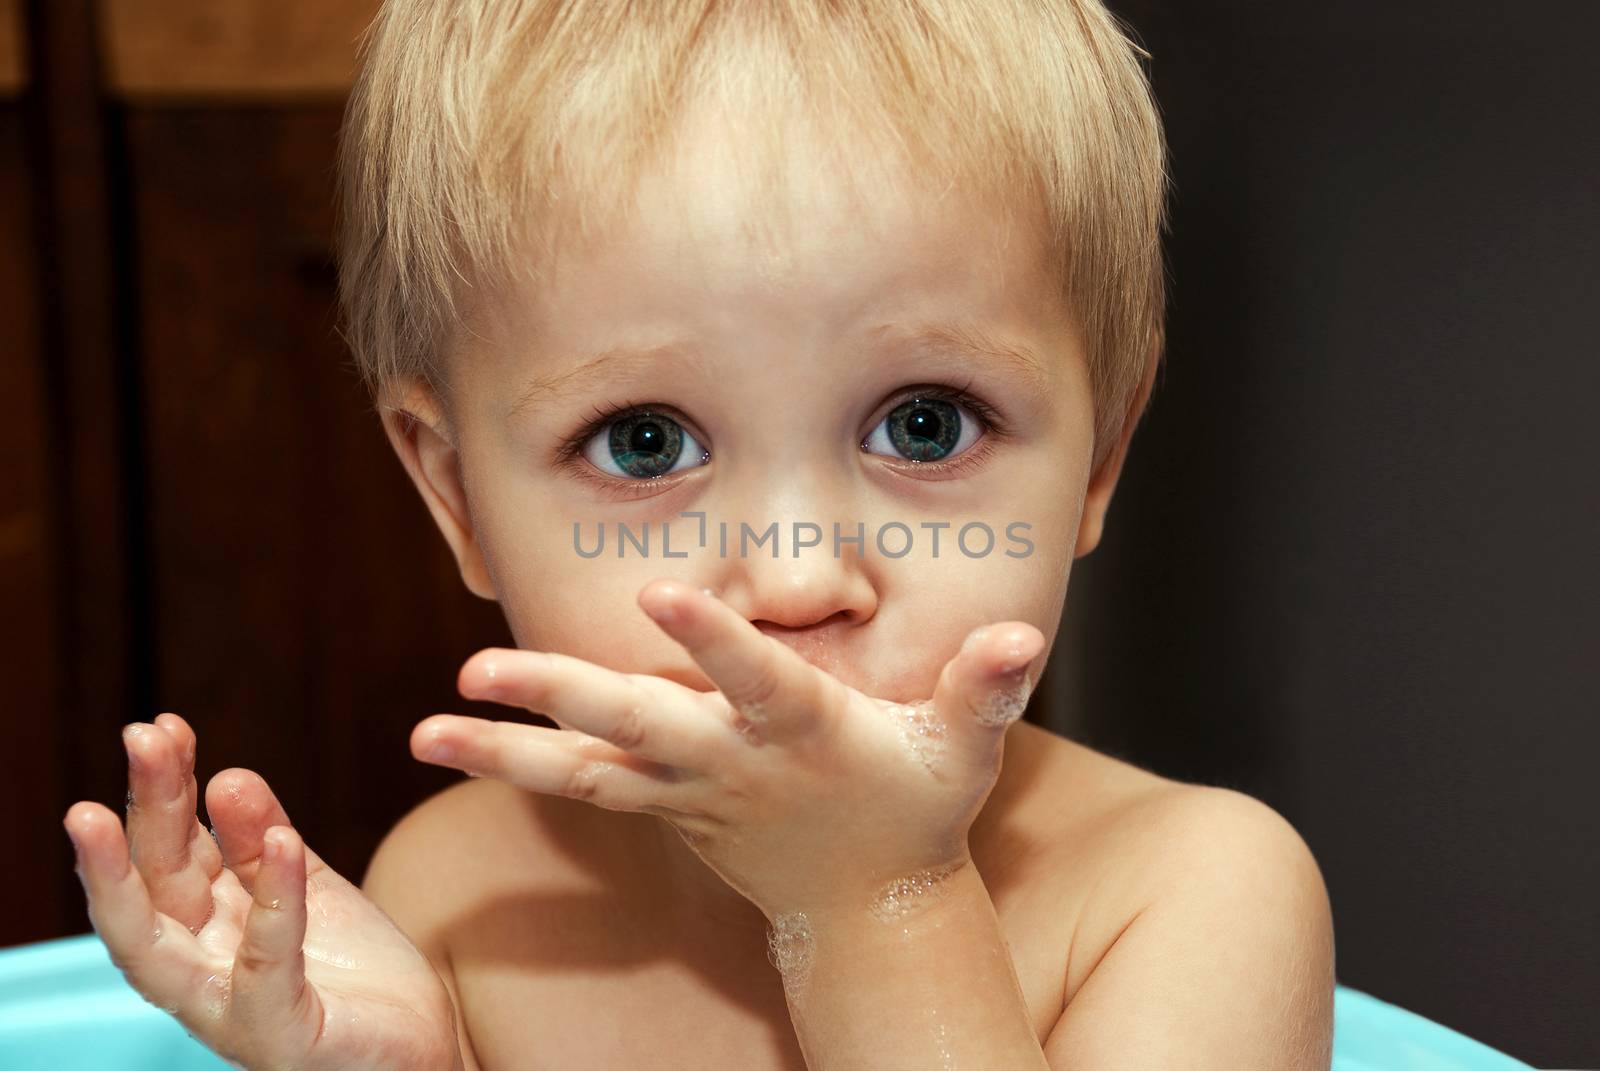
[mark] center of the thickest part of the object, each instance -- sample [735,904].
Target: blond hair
[468,116]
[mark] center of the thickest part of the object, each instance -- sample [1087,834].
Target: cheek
[1053,520]
[558,601]
[1000,588]
[931,607]
[553,596]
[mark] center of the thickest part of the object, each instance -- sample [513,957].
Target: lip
[817,644]
[818,648]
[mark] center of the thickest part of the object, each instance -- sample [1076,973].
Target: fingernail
[270,850]
[1015,662]
[1019,656]
[129,732]
[439,751]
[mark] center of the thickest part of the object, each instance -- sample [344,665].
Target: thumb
[271,996]
[989,680]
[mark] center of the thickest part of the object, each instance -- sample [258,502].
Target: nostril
[780,630]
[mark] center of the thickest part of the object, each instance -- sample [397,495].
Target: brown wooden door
[198,509]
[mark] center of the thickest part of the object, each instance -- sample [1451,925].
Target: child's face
[791,353]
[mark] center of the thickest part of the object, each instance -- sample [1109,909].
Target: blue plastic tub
[65,1007]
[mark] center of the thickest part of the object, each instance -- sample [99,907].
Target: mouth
[817,650]
[815,646]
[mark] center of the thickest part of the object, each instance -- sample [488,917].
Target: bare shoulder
[1183,898]
[423,875]
[1231,861]
[1148,829]
[423,842]
[474,860]
[1124,839]
[455,848]
[1184,834]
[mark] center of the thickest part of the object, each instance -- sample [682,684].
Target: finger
[270,995]
[183,736]
[158,957]
[242,808]
[661,726]
[556,762]
[773,687]
[203,847]
[162,824]
[990,680]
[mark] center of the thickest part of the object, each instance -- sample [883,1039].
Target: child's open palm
[271,963]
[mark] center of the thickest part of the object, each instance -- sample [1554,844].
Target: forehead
[828,235]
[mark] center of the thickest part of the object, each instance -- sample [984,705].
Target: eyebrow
[950,340]
[973,341]
[605,364]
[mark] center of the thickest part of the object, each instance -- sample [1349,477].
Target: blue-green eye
[925,428]
[642,445]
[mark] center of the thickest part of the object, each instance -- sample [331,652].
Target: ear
[414,419]
[1097,499]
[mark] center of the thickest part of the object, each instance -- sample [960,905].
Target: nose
[800,587]
[785,594]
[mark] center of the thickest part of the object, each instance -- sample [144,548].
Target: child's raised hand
[216,934]
[798,790]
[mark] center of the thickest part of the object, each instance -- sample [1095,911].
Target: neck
[704,897]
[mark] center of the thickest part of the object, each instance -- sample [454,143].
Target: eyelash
[568,453]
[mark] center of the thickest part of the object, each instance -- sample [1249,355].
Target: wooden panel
[308,612]
[97,594]
[30,775]
[200,49]
[13,55]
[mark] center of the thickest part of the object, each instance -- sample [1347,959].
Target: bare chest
[546,999]
[573,974]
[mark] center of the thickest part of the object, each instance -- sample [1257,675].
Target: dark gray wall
[1350,568]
